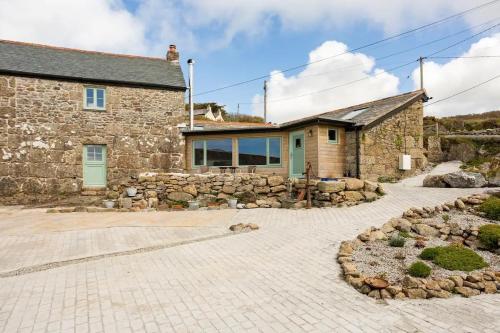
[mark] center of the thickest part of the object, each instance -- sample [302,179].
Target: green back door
[297,149]
[94,165]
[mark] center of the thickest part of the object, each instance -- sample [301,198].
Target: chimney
[172,54]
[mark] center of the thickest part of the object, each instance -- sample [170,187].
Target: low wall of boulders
[466,284]
[157,190]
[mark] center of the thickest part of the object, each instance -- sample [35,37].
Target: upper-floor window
[94,98]
[333,135]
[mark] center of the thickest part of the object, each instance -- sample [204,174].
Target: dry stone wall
[251,190]
[44,128]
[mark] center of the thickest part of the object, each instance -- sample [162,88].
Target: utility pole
[421,61]
[265,101]
[238,110]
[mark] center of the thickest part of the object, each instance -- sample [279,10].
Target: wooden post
[308,186]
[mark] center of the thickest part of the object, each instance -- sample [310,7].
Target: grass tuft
[419,269]
[491,207]
[489,235]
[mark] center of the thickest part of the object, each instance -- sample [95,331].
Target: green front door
[94,165]
[297,158]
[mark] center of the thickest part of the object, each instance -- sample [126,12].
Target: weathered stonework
[44,128]
[381,145]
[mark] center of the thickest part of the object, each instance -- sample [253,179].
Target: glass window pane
[298,143]
[198,153]
[252,151]
[89,94]
[332,135]
[274,151]
[219,152]
[90,153]
[100,98]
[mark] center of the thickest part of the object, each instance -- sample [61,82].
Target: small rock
[438,293]
[377,283]
[384,294]
[394,290]
[415,293]
[457,280]
[490,287]
[466,291]
[253,226]
[374,294]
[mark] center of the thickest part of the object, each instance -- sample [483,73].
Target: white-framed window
[94,98]
[333,135]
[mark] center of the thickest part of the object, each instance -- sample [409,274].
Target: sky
[240,40]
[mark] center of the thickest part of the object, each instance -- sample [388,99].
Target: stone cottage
[74,121]
[366,141]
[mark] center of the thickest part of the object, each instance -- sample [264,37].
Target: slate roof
[373,111]
[53,62]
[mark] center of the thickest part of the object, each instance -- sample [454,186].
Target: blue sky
[239,40]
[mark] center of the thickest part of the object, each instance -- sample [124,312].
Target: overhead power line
[367,77]
[464,91]
[403,51]
[470,57]
[353,50]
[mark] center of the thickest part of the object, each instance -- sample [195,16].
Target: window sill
[94,110]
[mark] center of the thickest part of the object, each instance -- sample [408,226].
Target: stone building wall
[44,128]
[381,145]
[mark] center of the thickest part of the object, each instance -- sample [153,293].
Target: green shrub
[419,269]
[489,235]
[429,253]
[397,241]
[445,217]
[491,207]
[454,258]
[404,234]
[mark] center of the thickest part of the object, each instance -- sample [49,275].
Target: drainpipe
[357,153]
[191,89]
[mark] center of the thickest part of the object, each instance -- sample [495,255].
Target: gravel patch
[377,258]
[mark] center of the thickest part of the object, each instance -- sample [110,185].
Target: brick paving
[281,278]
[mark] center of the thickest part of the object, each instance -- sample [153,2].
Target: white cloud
[204,24]
[283,91]
[89,24]
[443,80]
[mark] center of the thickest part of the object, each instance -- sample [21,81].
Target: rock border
[467,285]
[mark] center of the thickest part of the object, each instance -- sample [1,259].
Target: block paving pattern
[281,278]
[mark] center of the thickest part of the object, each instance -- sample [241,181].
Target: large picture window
[259,151]
[213,152]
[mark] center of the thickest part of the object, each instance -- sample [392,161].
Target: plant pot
[193,205]
[177,207]
[232,203]
[109,203]
[131,191]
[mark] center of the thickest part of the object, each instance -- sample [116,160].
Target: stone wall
[252,190]
[381,145]
[44,129]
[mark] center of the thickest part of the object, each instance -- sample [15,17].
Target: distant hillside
[469,122]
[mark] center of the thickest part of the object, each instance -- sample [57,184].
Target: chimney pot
[172,54]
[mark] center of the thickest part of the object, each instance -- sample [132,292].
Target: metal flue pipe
[191,93]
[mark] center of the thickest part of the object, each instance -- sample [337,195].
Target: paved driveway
[281,278]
